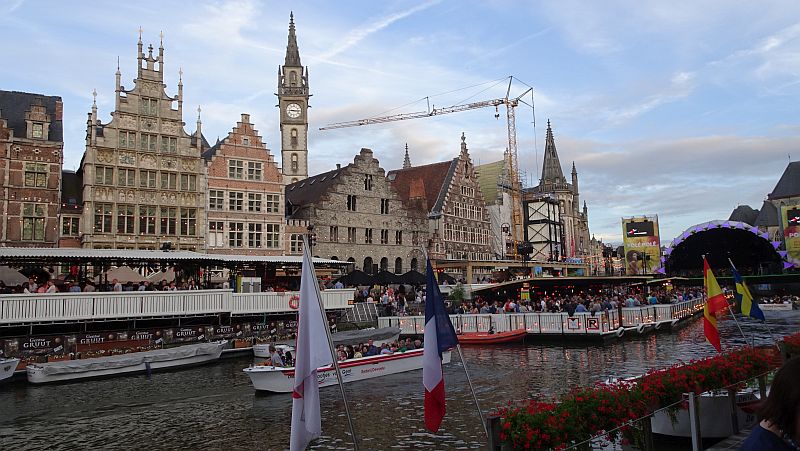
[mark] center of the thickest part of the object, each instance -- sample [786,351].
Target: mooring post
[694,422]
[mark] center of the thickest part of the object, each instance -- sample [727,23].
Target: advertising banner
[790,215]
[642,244]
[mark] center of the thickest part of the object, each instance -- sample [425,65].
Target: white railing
[61,307]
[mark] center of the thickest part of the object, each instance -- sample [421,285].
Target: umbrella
[413,278]
[11,276]
[443,276]
[124,274]
[387,278]
[158,276]
[357,278]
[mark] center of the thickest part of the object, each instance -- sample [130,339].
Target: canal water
[214,406]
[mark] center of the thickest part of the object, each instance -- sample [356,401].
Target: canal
[214,406]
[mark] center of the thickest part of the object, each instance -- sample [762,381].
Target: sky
[683,109]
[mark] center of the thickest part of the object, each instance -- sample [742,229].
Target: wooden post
[694,422]
[734,416]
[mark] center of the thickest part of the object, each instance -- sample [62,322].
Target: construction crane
[510,103]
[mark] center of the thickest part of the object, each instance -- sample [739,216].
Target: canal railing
[104,306]
[640,319]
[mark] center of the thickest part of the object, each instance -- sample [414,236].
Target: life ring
[640,329]
[294,302]
[620,332]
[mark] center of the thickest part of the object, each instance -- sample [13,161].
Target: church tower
[293,103]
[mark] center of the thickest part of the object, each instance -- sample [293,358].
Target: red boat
[477,338]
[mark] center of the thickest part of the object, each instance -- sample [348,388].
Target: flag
[439,336]
[312,351]
[745,299]
[715,302]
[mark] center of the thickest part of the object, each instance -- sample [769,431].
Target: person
[385,349]
[89,287]
[779,429]
[338,285]
[275,357]
[117,285]
[371,349]
[51,287]
[75,288]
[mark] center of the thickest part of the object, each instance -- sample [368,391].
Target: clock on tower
[293,103]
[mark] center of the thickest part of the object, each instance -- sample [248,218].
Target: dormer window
[38,130]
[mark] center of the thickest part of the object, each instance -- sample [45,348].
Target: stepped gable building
[359,217]
[293,97]
[31,157]
[495,183]
[449,195]
[245,195]
[553,184]
[143,176]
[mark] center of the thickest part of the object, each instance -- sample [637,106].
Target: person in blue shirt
[779,429]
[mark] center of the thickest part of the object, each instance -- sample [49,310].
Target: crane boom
[416,115]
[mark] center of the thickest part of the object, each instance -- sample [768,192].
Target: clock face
[293,110]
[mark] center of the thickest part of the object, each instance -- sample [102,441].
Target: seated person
[275,357]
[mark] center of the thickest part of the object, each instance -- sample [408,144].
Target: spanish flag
[745,299]
[715,302]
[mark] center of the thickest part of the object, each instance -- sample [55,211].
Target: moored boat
[776,307]
[7,368]
[350,337]
[476,338]
[135,362]
[281,380]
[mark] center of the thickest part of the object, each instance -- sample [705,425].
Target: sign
[790,217]
[593,323]
[573,323]
[642,244]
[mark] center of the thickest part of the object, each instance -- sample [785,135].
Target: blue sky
[681,109]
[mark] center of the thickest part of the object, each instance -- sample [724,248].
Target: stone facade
[293,97]
[245,195]
[143,181]
[31,156]
[359,217]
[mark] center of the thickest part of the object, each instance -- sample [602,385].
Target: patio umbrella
[357,278]
[443,276]
[11,276]
[413,278]
[124,274]
[387,278]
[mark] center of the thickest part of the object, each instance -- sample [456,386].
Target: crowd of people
[280,358]
[90,286]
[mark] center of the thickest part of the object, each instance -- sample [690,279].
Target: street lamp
[312,239]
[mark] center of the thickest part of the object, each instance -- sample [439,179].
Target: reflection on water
[214,406]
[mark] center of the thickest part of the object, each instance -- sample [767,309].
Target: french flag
[439,337]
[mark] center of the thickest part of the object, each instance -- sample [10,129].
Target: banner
[790,217]
[642,244]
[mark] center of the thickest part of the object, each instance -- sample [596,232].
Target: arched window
[334,258]
[398,265]
[294,162]
[414,264]
[293,78]
[384,264]
[293,135]
[368,265]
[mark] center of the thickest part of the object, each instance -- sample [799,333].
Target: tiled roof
[789,184]
[204,145]
[745,214]
[14,105]
[768,216]
[310,190]
[211,151]
[434,177]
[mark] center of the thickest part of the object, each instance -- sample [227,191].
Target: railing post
[734,416]
[694,422]
[647,433]
[493,426]
[762,387]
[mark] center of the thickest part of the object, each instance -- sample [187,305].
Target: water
[214,406]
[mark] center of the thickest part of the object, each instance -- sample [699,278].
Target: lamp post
[505,229]
[312,239]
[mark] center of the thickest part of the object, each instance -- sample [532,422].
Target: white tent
[11,276]
[124,274]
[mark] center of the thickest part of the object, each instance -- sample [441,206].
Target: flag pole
[330,339]
[753,341]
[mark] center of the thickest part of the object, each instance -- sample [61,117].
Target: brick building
[143,176]
[359,217]
[31,156]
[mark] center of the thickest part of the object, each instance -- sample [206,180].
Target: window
[188,221]
[148,142]
[126,177]
[235,201]
[33,218]
[368,182]
[169,180]
[169,220]
[253,170]
[245,141]
[398,237]
[398,265]
[188,182]
[415,238]
[169,145]
[294,162]
[368,236]
[216,234]
[384,236]
[334,234]
[147,220]
[147,179]
[127,140]
[254,202]
[384,206]
[36,175]
[293,141]
[125,219]
[351,202]
[272,236]
[216,199]
[235,169]
[296,243]
[351,234]
[272,203]
[70,226]
[38,130]
[149,106]
[254,235]
[103,216]
[235,234]
[104,175]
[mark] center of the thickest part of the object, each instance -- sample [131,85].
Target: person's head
[782,407]
[369,343]
[114,281]
[271,348]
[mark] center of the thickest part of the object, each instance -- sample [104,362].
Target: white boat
[350,337]
[281,380]
[775,307]
[135,362]
[715,416]
[7,367]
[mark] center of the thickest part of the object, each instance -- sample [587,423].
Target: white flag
[313,351]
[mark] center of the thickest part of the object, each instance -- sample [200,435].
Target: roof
[204,145]
[211,151]
[71,190]
[429,180]
[789,184]
[14,105]
[310,190]
[489,178]
[745,214]
[551,167]
[768,216]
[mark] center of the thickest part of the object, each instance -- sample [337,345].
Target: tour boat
[135,362]
[7,367]
[350,337]
[478,338]
[776,307]
[281,380]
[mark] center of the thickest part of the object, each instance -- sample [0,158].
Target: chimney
[338,166]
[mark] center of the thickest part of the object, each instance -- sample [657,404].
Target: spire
[199,130]
[407,159]
[575,172]
[551,169]
[119,77]
[463,142]
[292,52]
